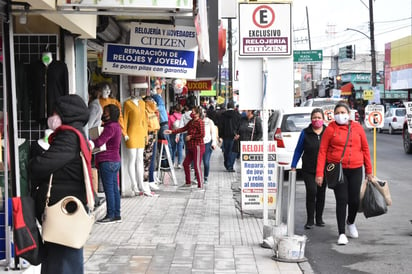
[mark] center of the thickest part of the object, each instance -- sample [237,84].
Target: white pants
[135,166]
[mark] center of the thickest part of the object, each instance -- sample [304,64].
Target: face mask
[342,118]
[54,121]
[317,123]
[105,118]
[192,115]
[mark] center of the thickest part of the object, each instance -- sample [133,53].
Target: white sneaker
[179,166]
[153,186]
[342,239]
[352,231]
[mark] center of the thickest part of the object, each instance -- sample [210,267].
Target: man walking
[229,123]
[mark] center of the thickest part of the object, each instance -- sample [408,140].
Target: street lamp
[372,40]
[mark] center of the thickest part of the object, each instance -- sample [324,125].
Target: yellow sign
[368,94]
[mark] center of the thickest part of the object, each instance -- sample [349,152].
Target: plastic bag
[383,188]
[373,202]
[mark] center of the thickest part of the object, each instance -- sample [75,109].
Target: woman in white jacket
[210,141]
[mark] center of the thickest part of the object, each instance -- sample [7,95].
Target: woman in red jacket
[356,156]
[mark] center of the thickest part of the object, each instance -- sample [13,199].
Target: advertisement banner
[154,50]
[252,175]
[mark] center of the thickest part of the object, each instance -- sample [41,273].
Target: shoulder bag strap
[49,190]
[253,130]
[347,138]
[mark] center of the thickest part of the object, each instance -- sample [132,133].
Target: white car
[284,128]
[393,120]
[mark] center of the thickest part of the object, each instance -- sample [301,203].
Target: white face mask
[54,122]
[342,118]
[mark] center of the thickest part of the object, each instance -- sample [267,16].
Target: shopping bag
[28,242]
[383,188]
[362,194]
[373,202]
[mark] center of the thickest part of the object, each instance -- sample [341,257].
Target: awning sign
[199,85]
[252,175]
[374,116]
[265,29]
[181,4]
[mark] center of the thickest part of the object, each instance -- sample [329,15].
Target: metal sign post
[265,144]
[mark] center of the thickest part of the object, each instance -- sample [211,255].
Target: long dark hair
[114,112]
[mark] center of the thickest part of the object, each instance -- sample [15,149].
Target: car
[393,120]
[326,102]
[284,128]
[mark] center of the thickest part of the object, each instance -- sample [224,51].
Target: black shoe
[231,170]
[117,219]
[308,226]
[320,223]
[106,220]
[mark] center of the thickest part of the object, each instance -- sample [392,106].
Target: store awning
[346,90]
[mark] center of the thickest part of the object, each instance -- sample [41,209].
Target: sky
[329,19]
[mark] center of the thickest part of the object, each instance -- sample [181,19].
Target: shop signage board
[154,50]
[181,4]
[199,85]
[265,29]
[368,94]
[374,115]
[252,175]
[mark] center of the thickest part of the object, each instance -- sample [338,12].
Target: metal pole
[291,203]
[265,144]
[310,47]
[372,38]
[279,193]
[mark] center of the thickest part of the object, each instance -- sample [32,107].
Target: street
[384,242]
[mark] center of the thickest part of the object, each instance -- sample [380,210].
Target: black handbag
[334,171]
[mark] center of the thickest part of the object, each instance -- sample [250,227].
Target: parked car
[407,136]
[324,102]
[393,120]
[284,128]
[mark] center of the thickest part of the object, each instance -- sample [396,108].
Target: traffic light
[349,52]
[331,83]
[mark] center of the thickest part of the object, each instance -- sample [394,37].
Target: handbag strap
[49,189]
[344,148]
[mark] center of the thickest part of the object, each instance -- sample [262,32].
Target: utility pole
[372,38]
[229,88]
[310,47]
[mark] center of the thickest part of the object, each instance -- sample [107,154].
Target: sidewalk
[184,231]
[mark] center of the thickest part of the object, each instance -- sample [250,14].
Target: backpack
[176,124]
[152,116]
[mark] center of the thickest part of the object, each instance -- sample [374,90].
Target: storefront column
[80,85]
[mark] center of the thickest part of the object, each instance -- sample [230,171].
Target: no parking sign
[374,116]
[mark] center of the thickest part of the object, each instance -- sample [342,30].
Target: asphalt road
[384,244]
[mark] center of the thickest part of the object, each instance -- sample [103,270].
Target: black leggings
[347,195]
[315,198]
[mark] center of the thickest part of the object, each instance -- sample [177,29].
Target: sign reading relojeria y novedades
[154,50]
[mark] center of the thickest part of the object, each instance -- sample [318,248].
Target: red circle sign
[263,12]
[375,118]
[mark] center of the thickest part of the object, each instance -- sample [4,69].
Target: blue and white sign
[154,50]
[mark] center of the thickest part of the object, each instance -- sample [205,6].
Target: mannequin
[47,58]
[41,145]
[135,126]
[105,100]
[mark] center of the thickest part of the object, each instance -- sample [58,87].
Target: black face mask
[105,118]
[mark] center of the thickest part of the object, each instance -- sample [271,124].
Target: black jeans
[315,198]
[347,196]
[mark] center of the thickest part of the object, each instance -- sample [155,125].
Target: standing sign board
[374,116]
[252,175]
[154,50]
[265,29]
[328,113]
[408,106]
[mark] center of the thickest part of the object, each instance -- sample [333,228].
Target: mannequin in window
[47,58]
[135,126]
[95,109]
[105,99]
[41,145]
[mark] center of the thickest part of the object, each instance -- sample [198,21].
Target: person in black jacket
[308,145]
[250,128]
[228,125]
[62,159]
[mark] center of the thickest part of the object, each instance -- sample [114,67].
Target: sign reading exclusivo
[155,50]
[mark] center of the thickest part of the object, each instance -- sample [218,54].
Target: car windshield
[295,122]
[400,112]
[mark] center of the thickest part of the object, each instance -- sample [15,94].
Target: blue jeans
[108,172]
[61,259]
[177,147]
[228,156]
[206,159]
